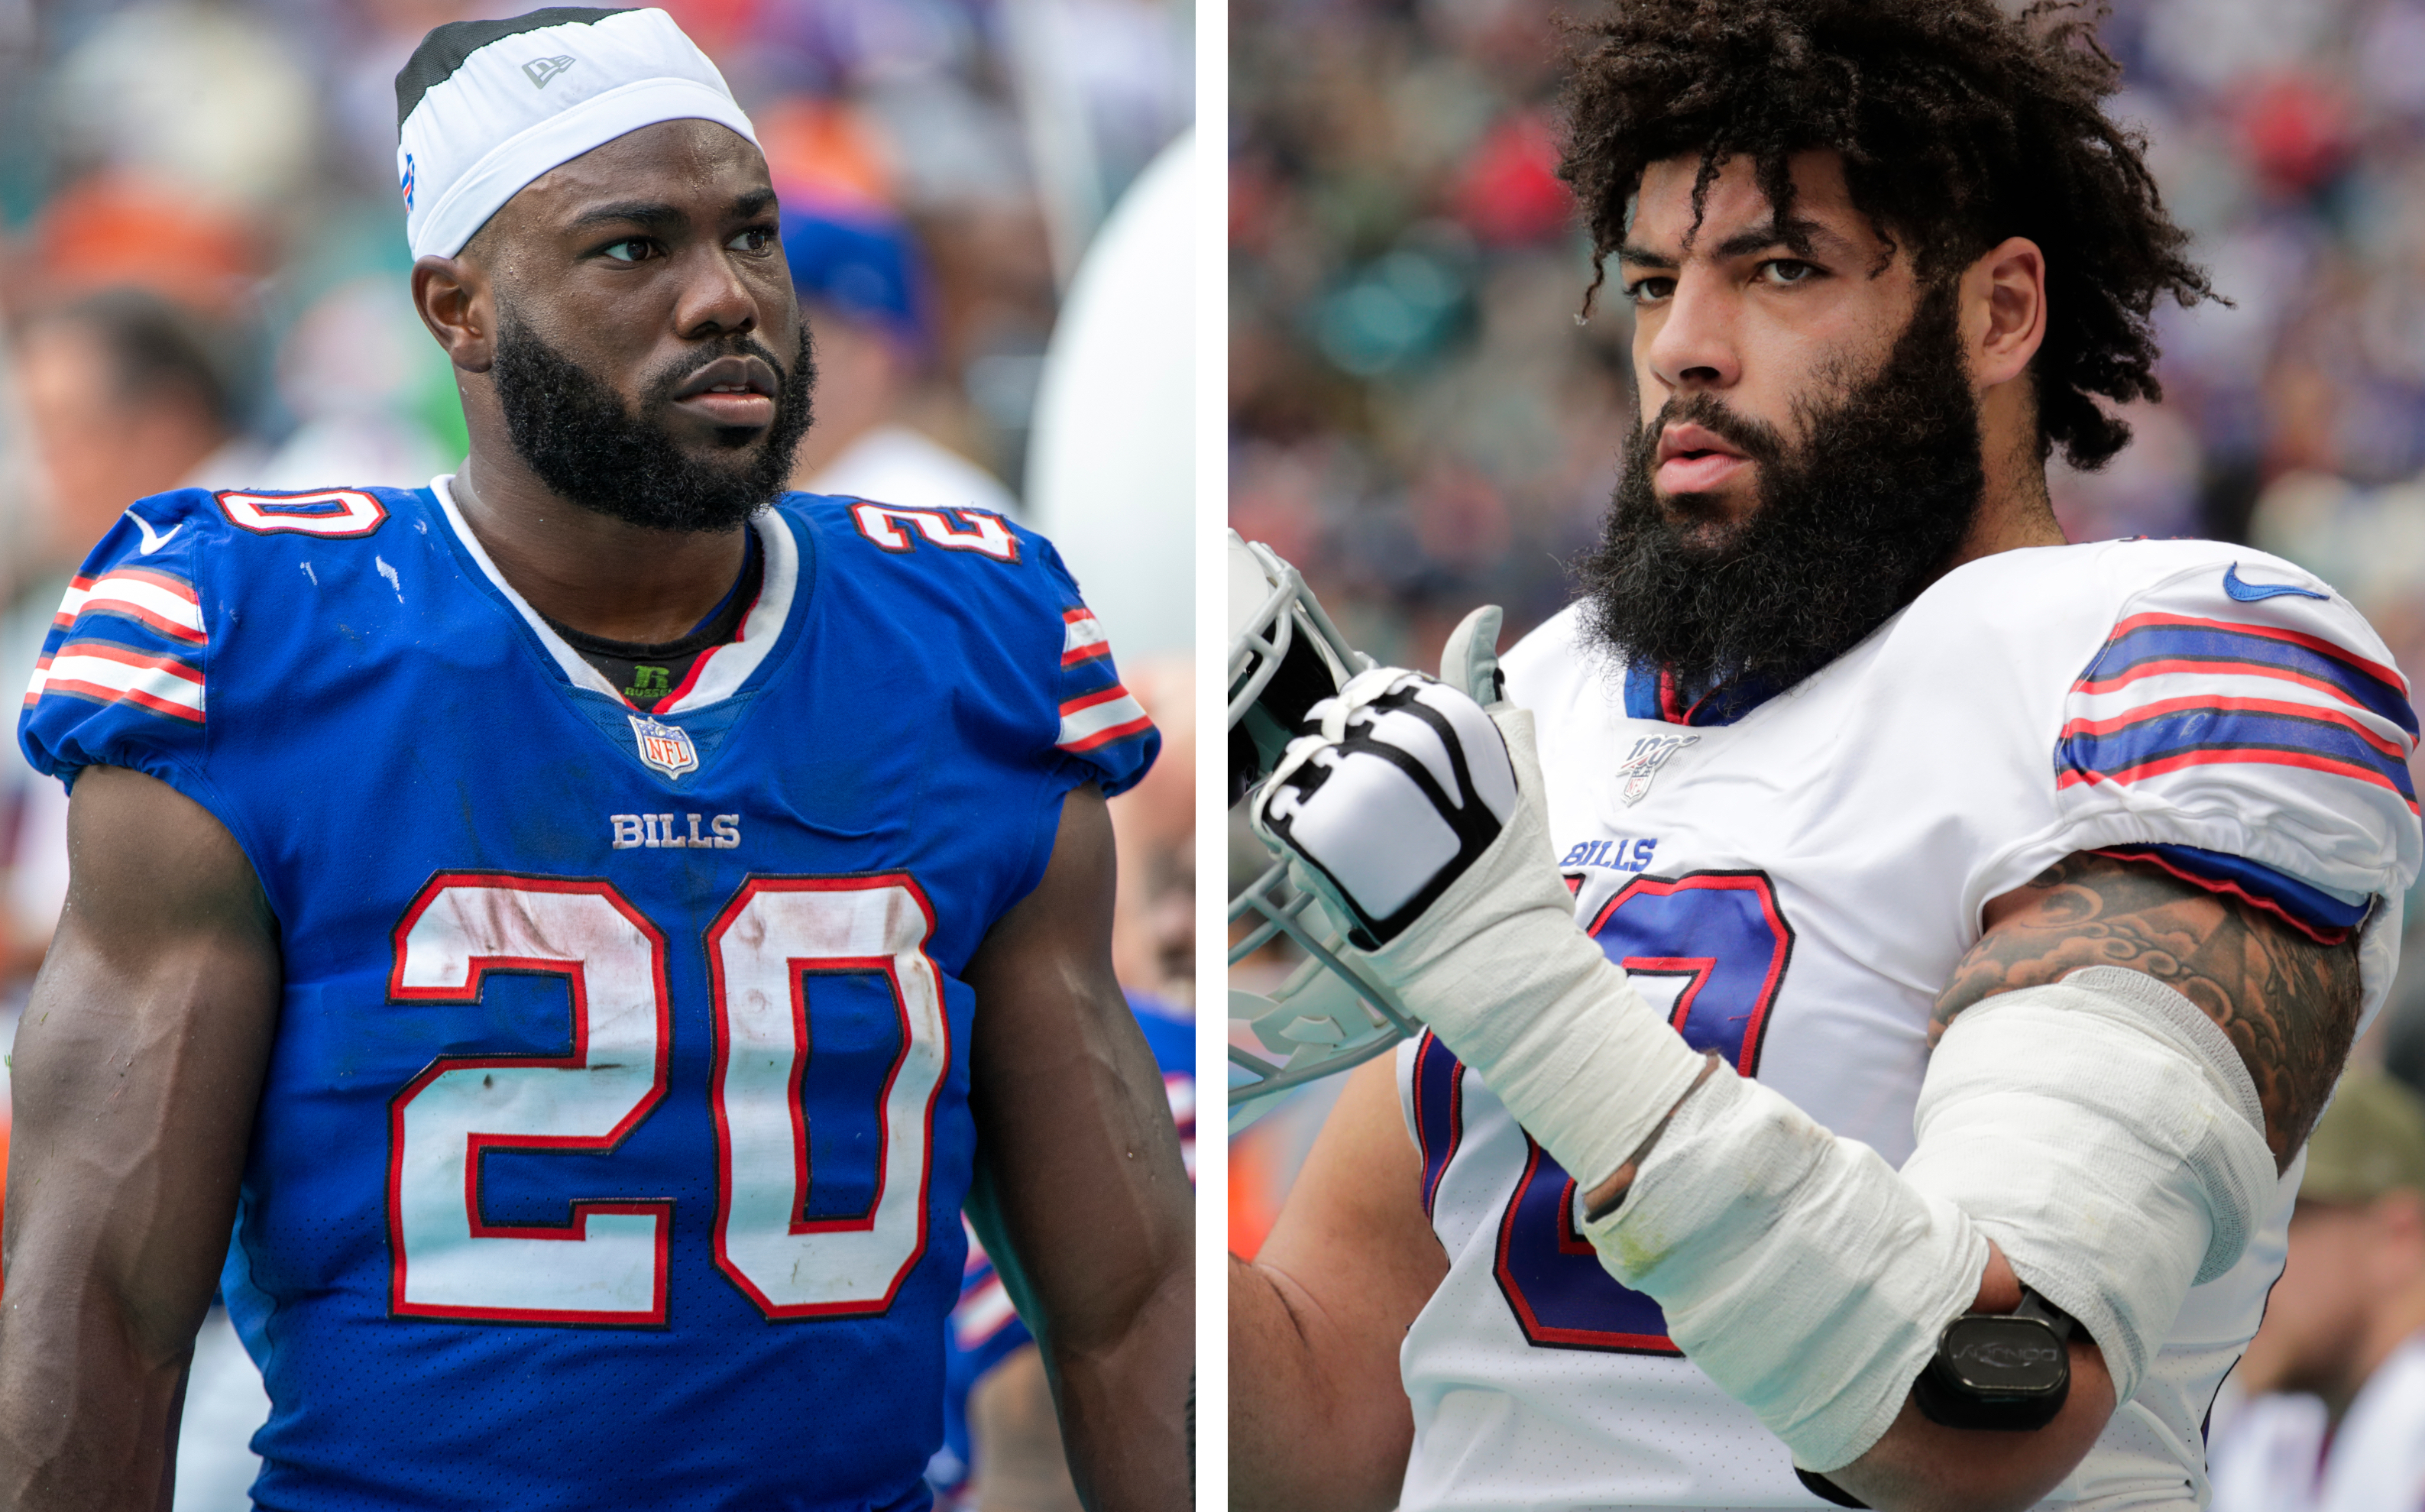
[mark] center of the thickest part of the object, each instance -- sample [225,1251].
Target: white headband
[485,107]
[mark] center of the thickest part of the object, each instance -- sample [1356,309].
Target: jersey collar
[1651,693]
[721,671]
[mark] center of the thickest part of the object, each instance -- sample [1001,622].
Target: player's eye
[1650,290]
[630,249]
[1786,271]
[756,239]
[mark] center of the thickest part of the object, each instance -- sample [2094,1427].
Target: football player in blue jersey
[587,927]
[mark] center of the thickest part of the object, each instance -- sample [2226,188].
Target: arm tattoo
[2289,1005]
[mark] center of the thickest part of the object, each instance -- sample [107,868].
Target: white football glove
[1398,786]
[1421,817]
[1387,809]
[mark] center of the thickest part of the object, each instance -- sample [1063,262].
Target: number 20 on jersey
[609,1266]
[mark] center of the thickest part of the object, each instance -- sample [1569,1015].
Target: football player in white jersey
[1972,925]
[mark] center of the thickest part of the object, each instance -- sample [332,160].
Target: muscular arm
[1318,1418]
[1014,1439]
[136,1071]
[2289,1006]
[1080,1195]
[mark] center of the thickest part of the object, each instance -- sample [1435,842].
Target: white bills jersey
[1796,886]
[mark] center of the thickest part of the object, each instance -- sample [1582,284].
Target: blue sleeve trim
[2303,902]
[2149,643]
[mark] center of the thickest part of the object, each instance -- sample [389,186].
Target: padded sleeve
[124,676]
[1103,728]
[2247,710]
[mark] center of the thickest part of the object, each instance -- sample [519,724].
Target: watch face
[1997,1356]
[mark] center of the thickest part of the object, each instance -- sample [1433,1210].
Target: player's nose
[1694,344]
[715,301]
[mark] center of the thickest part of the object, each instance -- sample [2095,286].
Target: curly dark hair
[1959,126]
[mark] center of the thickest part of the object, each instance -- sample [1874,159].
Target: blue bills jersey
[616,1125]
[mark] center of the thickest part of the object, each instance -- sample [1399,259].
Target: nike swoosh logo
[2250,592]
[153,539]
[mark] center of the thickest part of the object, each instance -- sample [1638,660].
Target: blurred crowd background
[203,266]
[203,281]
[1419,423]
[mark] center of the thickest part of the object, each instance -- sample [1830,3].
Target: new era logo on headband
[481,110]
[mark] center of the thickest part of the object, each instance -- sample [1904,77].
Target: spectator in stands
[862,285]
[127,394]
[2333,1418]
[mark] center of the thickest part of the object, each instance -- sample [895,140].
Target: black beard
[570,428]
[1846,529]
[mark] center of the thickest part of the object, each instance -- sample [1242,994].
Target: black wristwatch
[2008,1372]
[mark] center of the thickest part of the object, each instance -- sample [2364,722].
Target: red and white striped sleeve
[123,678]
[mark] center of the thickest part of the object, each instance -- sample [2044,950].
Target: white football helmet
[1285,655]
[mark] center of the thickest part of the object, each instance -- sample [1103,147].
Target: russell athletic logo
[543,69]
[664,747]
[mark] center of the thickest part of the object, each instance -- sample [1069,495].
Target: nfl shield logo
[664,746]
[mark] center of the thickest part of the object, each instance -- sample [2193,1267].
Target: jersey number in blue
[1722,937]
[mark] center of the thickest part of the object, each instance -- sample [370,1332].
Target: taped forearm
[1417,816]
[1795,1266]
[2094,1127]
[2100,1130]
[2104,1132]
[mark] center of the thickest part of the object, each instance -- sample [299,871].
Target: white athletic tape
[2103,1131]
[1498,968]
[1793,1265]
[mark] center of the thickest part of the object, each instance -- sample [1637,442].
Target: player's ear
[454,301]
[2004,311]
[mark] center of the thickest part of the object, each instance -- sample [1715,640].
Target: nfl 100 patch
[667,747]
[1642,764]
